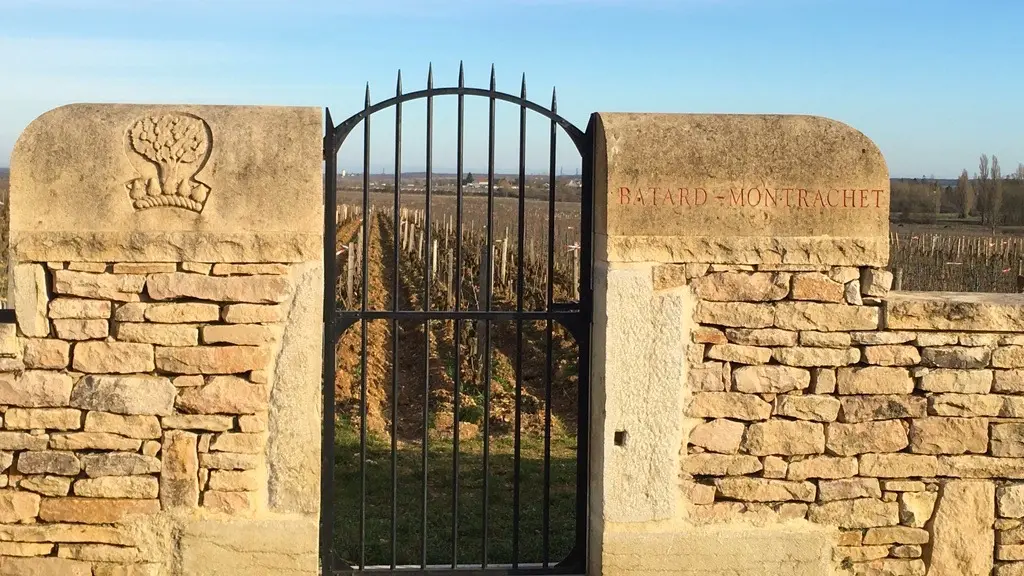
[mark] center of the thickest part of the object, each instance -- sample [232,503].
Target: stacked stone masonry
[816,395]
[132,389]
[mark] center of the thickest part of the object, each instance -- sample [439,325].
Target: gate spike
[554,101]
[430,76]
[462,76]
[493,83]
[367,94]
[522,93]
[398,89]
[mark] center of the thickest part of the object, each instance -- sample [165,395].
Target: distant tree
[1019,175]
[984,202]
[996,193]
[469,179]
[965,194]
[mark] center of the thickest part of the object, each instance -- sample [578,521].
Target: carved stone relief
[168,152]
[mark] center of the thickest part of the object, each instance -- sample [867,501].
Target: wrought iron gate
[446,521]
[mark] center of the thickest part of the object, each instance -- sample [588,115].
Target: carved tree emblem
[175,148]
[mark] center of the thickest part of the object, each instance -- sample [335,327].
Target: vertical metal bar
[458,325]
[517,456]
[330,340]
[487,322]
[394,330]
[548,372]
[426,307]
[364,304]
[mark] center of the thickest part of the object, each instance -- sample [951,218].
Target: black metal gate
[512,363]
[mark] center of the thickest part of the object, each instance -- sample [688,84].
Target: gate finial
[493,83]
[430,76]
[522,91]
[462,76]
[398,88]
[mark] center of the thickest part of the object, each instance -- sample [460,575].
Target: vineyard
[952,263]
[421,374]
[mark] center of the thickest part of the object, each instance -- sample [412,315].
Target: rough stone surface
[853,439]
[822,467]
[81,329]
[874,380]
[881,407]
[93,441]
[36,389]
[117,287]
[286,545]
[49,566]
[728,405]
[719,435]
[112,357]
[813,357]
[761,336]
[818,408]
[18,506]
[954,311]
[79,308]
[252,289]
[916,508]
[892,355]
[141,427]
[160,335]
[949,435]
[720,464]
[898,465]
[139,487]
[825,317]
[212,359]
[761,490]
[179,480]
[958,381]
[855,513]
[119,464]
[138,395]
[94,510]
[961,357]
[232,395]
[28,290]
[736,314]
[875,282]
[243,335]
[742,286]
[181,313]
[253,313]
[42,418]
[46,354]
[825,339]
[784,437]
[962,535]
[816,286]
[770,379]
[1008,440]
[848,489]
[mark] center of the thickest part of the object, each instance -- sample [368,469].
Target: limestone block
[73,329]
[87,266]
[957,357]
[42,419]
[245,443]
[948,435]
[720,465]
[817,287]
[112,357]
[770,379]
[876,436]
[94,510]
[1008,381]
[251,335]
[774,467]
[875,282]
[228,461]
[962,535]
[825,317]
[35,389]
[229,502]
[874,380]
[916,508]
[46,354]
[276,545]
[1008,440]
[79,308]
[736,406]
[28,283]
[859,554]
[822,467]
[891,567]
[23,441]
[212,359]
[708,335]
[179,480]
[46,485]
[936,339]
[143,267]
[232,395]
[784,437]
[252,289]
[6,459]
[892,355]
[966,405]
[958,381]
[895,535]
[739,354]
[116,287]
[253,313]
[1008,357]
[819,408]
[157,334]
[182,313]
[140,395]
[198,422]
[882,338]
[253,423]
[140,487]
[972,466]
[119,464]
[1010,501]
[881,407]
[823,380]
[18,506]
[719,435]
[45,566]
[813,357]
[955,312]
[132,426]
[93,441]
[855,513]
[197,267]
[249,481]
[706,377]
[131,312]
[848,489]
[761,336]
[742,286]
[899,465]
[1009,553]
[762,490]
[736,314]
[904,486]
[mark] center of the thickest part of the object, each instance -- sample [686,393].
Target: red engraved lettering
[624,195]
[801,198]
[654,196]
[788,191]
[770,196]
[830,203]
[639,197]
[848,199]
[818,199]
[878,198]
[863,198]
[754,200]
[737,197]
[700,197]
[684,196]
[668,196]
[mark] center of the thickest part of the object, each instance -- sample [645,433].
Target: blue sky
[933,82]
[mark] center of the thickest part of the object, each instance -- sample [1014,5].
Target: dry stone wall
[133,389]
[815,395]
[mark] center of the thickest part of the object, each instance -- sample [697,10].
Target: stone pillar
[678,196]
[167,273]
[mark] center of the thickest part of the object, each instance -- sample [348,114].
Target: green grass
[439,500]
